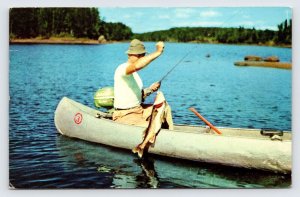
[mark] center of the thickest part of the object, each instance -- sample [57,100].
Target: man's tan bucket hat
[136,47]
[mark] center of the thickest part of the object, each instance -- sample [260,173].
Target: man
[129,94]
[128,86]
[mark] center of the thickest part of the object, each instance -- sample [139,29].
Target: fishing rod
[174,67]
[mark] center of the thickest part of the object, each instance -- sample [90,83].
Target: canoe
[283,65]
[238,147]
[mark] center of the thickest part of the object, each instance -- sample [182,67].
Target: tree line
[64,22]
[223,35]
[86,23]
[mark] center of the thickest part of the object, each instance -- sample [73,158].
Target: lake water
[226,95]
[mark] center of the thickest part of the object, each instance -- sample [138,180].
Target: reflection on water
[148,171]
[123,170]
[147,178]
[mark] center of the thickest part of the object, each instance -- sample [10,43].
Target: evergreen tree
[76,22]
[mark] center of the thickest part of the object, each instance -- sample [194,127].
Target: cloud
[246,23]
[127,16]
[139,14]
[151,19]
[246,16]
[268,27]
[164,16]
[199,24]
[183,12]
[210,13]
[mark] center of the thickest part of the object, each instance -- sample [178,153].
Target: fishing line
[174,66]
[237,12]
[231,17]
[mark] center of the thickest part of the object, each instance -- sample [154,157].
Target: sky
[145,19]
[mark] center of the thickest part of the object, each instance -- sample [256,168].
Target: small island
[271,62]
[53,40]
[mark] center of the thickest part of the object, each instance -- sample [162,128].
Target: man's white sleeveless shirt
[127,88]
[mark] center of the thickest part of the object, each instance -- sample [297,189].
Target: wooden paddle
[206,121]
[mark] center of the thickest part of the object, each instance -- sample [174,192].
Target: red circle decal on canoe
[78,118]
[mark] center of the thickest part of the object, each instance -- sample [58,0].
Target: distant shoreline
[54,41]
[86,41]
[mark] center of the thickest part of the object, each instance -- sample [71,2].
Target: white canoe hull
[235,147]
